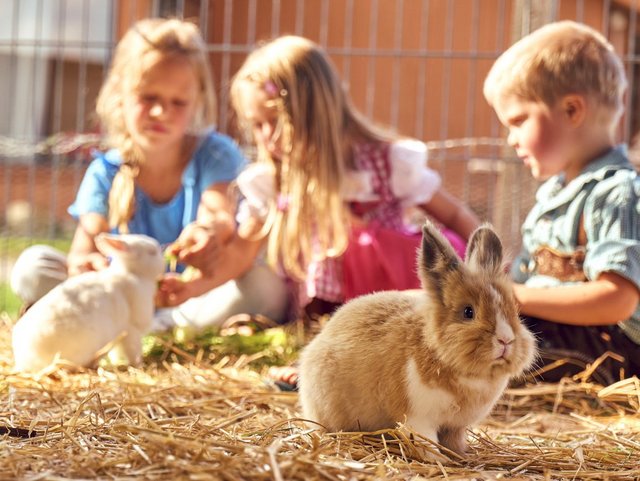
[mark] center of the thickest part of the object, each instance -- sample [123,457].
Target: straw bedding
[185,415]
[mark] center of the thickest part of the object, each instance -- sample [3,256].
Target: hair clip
[272,89]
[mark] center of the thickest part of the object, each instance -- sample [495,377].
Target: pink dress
[381,255]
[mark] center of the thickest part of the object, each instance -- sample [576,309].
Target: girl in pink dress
[329,192]
[326,199]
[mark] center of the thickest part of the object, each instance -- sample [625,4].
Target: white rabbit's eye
[468,312]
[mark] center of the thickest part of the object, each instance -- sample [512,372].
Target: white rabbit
[435,359]
[87,312]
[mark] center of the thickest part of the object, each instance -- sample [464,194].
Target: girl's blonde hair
[559,59]
[144,46]
[316,123]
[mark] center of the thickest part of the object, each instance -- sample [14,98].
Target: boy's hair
[145,45]
[558,59]
[317,123]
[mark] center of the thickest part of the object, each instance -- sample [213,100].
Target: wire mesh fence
[414,65]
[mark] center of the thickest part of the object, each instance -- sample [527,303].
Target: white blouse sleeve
[257,186]
[411,179]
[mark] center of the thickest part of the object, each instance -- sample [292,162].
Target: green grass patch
[13,246]
[10,248]
[275,346]
[9,303]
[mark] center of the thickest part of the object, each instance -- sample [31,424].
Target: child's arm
[199,243]
[451,212]
[83,254]
[239,253]
[216,210]
[607,300]
[417,184]
[235,258]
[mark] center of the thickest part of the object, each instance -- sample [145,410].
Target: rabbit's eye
[468,312]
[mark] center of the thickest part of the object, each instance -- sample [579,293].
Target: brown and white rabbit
[79,317]
[435,359]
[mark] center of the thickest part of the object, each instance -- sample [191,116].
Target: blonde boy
[559,91]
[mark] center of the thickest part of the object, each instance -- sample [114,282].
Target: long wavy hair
[317,125]
[146,44]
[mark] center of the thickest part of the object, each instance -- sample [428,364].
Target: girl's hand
[93,261]
[197,246]
[174,289]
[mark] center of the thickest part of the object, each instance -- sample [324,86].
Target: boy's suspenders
[566,267]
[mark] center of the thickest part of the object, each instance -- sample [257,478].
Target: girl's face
[263,118]
[159,110]
[539,134]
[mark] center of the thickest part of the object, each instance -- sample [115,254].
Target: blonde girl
[328,190]
[168,172]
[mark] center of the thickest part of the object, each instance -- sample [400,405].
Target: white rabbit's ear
[436,258]
[484,251]
[110,243]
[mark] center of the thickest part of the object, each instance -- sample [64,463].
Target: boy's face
[538,134]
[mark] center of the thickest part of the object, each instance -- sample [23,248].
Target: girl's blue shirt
[217,159]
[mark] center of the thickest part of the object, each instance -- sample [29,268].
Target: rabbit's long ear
[484,251]
[436,259]
[109,243]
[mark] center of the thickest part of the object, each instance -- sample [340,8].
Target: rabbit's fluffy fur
[435,359]
[85,313]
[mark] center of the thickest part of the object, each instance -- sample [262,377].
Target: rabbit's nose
[504,332]
[504,349]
